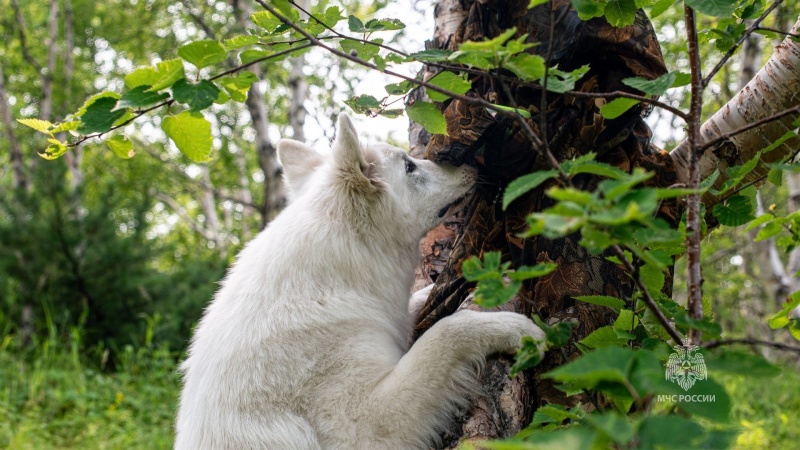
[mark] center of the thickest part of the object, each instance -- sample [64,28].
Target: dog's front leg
[439,370]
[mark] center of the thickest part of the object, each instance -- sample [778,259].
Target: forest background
[107,260]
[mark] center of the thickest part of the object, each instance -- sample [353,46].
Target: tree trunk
[573,127]
[274,197]
[20,180]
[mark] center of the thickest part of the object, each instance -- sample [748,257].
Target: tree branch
[739,42]
[750,341]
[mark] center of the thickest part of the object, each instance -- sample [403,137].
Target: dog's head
[374,184]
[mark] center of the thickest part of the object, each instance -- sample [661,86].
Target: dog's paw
[519,326]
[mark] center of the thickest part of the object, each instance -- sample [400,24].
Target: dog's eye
[410,166]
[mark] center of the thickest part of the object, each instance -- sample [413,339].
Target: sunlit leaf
[191,133]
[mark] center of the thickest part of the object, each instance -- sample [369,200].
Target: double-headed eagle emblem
[686,366]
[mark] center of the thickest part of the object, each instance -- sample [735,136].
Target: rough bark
[574,127]
[503,152]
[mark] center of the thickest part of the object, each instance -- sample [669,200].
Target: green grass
[54,397]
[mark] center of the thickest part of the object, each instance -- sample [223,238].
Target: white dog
[304,345]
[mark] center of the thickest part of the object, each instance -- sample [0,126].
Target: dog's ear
[348,154]
[299,161]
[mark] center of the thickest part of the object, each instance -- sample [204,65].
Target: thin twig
[750,341]
[775,30]
[647,297]
[739,42]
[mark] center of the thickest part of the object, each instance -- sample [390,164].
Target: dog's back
[304,345]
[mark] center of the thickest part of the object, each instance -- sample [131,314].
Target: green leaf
[760,220]
[237,86]
[143,76]
[620,13]
[609,364]
[522,112]
[365,51]
[167,73]
[355,24]
[652,87]
[140,97]
[332,16]
[781,318]
[493,45]
[526,66]
[39,125]
[524,184]
[432,55]
[660,7]
[55,150]
[266,20]
[617,107]
[603,337]
[552,413]
[613,425]
[100,116]
[625,323]
[249,56]
[528,356]
[239,41]
[203,53]
[603,300]
[595,168]
[737,210]
[474,269]
[197,95]
[398,88]
[588,9]
[669,432]
[769,230]
[716,8]
[428,116]
[652,277]
[559,81]
[558,334]
[191,133]
[775,177]
[449,81]
[571,438]
[121,146]
[384,25]
[493,292]
[363,104]
[528,272]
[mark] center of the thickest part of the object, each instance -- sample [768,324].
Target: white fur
[304,345]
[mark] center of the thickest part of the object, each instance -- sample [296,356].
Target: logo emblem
[686,366]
